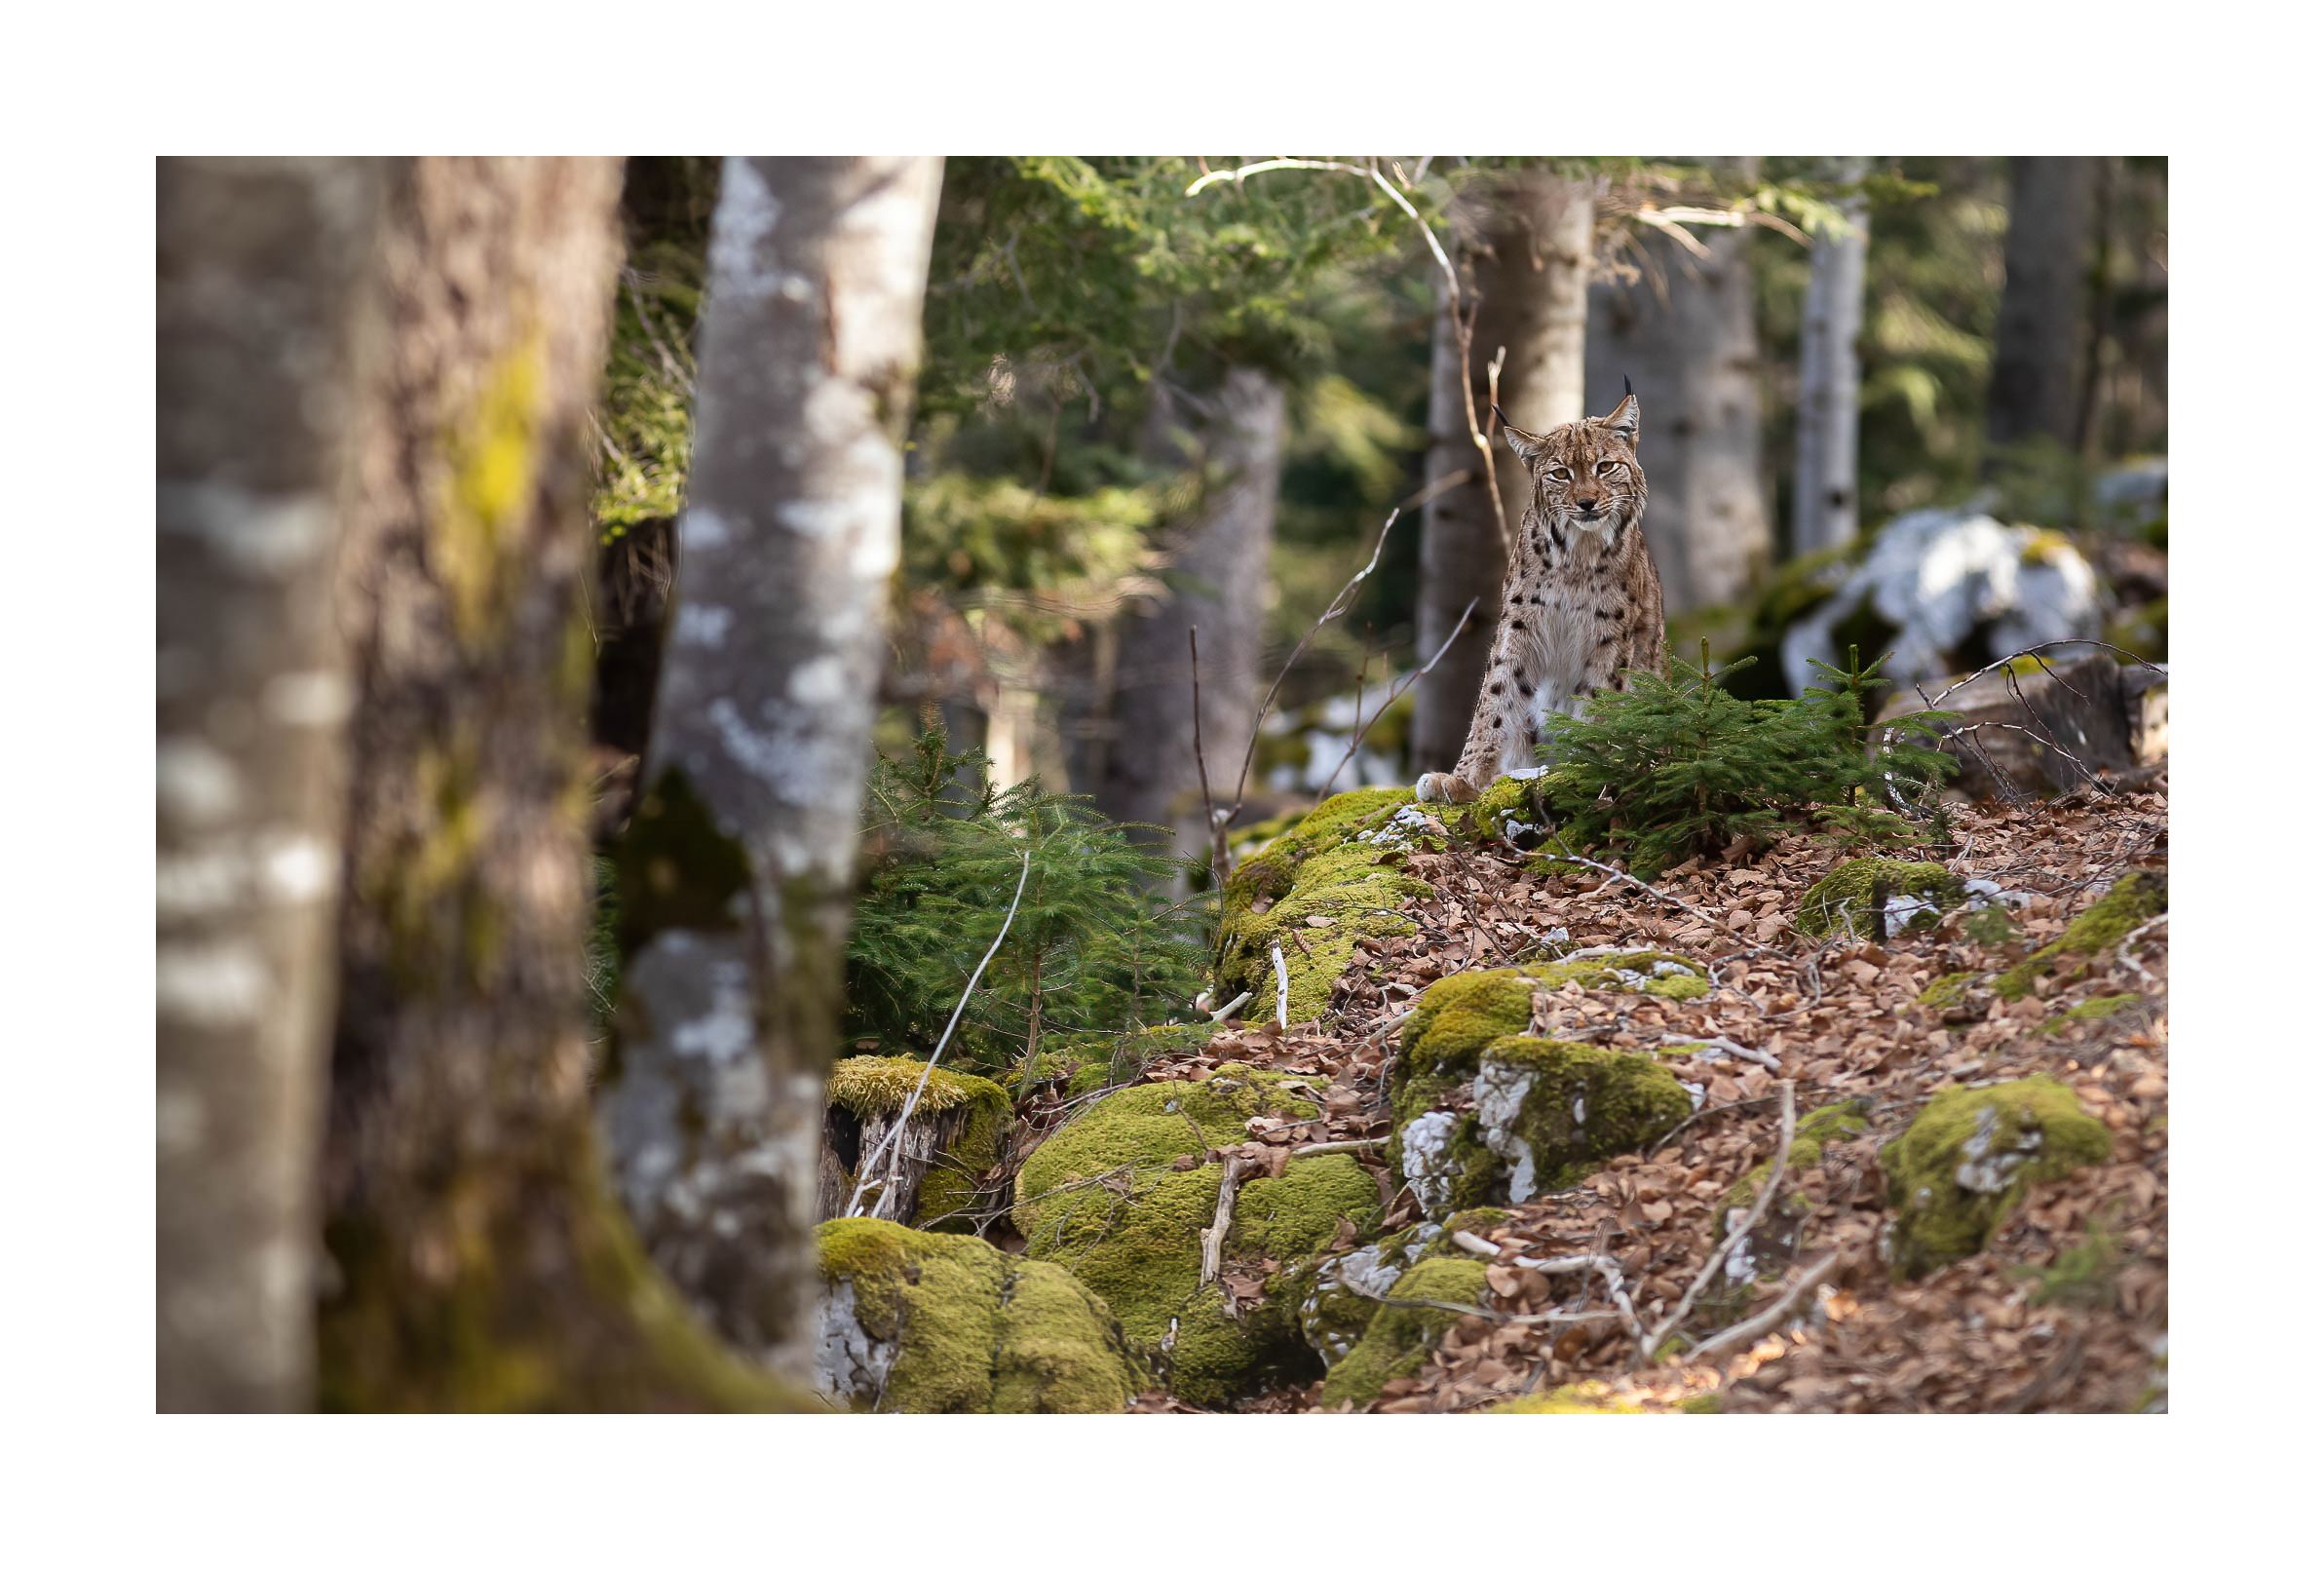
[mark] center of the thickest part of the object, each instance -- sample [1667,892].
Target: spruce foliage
[1093,948]
[1677,766]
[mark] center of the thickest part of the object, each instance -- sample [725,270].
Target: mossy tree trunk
[482,1262]
[1218,573]
[737,871]
[1684,338]
[1824,503]
[1522,246]
[264,274]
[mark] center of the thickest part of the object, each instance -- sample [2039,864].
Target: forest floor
[2065,1309]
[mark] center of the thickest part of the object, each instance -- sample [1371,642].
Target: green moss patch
[1969,1157]
[1316,890]
[1105,1198]
[1403,1330]
[1841,901]
[2134,900]
[1590,1399]
[917,1321]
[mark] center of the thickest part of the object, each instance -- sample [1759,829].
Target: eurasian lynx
[1581,605]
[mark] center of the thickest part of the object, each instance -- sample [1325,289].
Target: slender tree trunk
[482,1261]
[2037,339]
[1218,572]
[1685,336]
[1522,247]
[264,292]
[1824,500]
[738,869]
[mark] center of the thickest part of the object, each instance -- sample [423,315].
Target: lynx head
[1586,475]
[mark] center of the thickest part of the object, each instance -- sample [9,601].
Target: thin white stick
[1282,990]
[892,1141]
[1753,1327]
[1219,1017]
[1730,1049]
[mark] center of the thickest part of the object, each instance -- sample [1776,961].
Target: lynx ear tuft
[1624,421]
[1524,444]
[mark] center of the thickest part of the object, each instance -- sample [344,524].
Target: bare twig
[1733,1049]
[1650,1345]
[1222,1016]
[1282,988]
[1214,1236]
[1211,815]
[1752,1329]
[891,1143]
[1396,692]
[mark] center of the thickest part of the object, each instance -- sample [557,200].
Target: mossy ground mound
[1969,1157]
[2134,900]
[1590,1399]
[1545,1113]
[1404,1329]
[1841,901]
[918,1321]
[975,1113]
[1104,1197]
[1330,878]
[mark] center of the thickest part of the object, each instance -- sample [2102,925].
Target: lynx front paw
[1449,787]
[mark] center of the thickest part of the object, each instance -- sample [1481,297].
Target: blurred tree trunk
[737,872]
[482,1261]
[2037,339]
[1218,572]
[1685,335]
[1522,247]
[264,274]
[1824,499]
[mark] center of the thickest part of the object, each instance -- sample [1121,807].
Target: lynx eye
[1608,467]
[1560,472]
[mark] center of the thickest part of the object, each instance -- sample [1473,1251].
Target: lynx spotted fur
[1581,605]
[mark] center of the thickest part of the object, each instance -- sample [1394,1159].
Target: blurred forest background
[1152,396]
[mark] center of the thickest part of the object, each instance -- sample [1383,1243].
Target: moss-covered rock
[918,1321]
[1841,901]
[2104,1007]
[1337,1295]
[2137,899]
[1950,993]
[1544,1113]
[968,1117]
[1106,1197]
[1970,1156]
[1404,1329]
[1319,887]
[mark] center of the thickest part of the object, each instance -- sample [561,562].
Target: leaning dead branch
[890,1144]
[1651,1344]
[1752,1329]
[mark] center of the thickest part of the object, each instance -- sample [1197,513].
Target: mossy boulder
[960,1131]
[1404,1329]
[2092,1009]
[919,1321]
[1320,886]
[1969,1157]
[1338,1294]
[1120,1196]
[1841,901]
[1542,1114]
[2132,902]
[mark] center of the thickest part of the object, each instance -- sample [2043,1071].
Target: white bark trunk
[810,341]
[265,273]
[1825,503]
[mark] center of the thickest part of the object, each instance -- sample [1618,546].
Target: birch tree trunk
[482,1261]
[1684,335]
[1824,499]
[737,872]
[2037,340]
[1219,572]
[263,293]
[1522,247]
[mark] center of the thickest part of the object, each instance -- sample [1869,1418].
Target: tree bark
[264,291]
[1218,572]
[1522,247]
[2037,338]
[1684,335]
[482,1262]
[737,874]
[1825,503]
